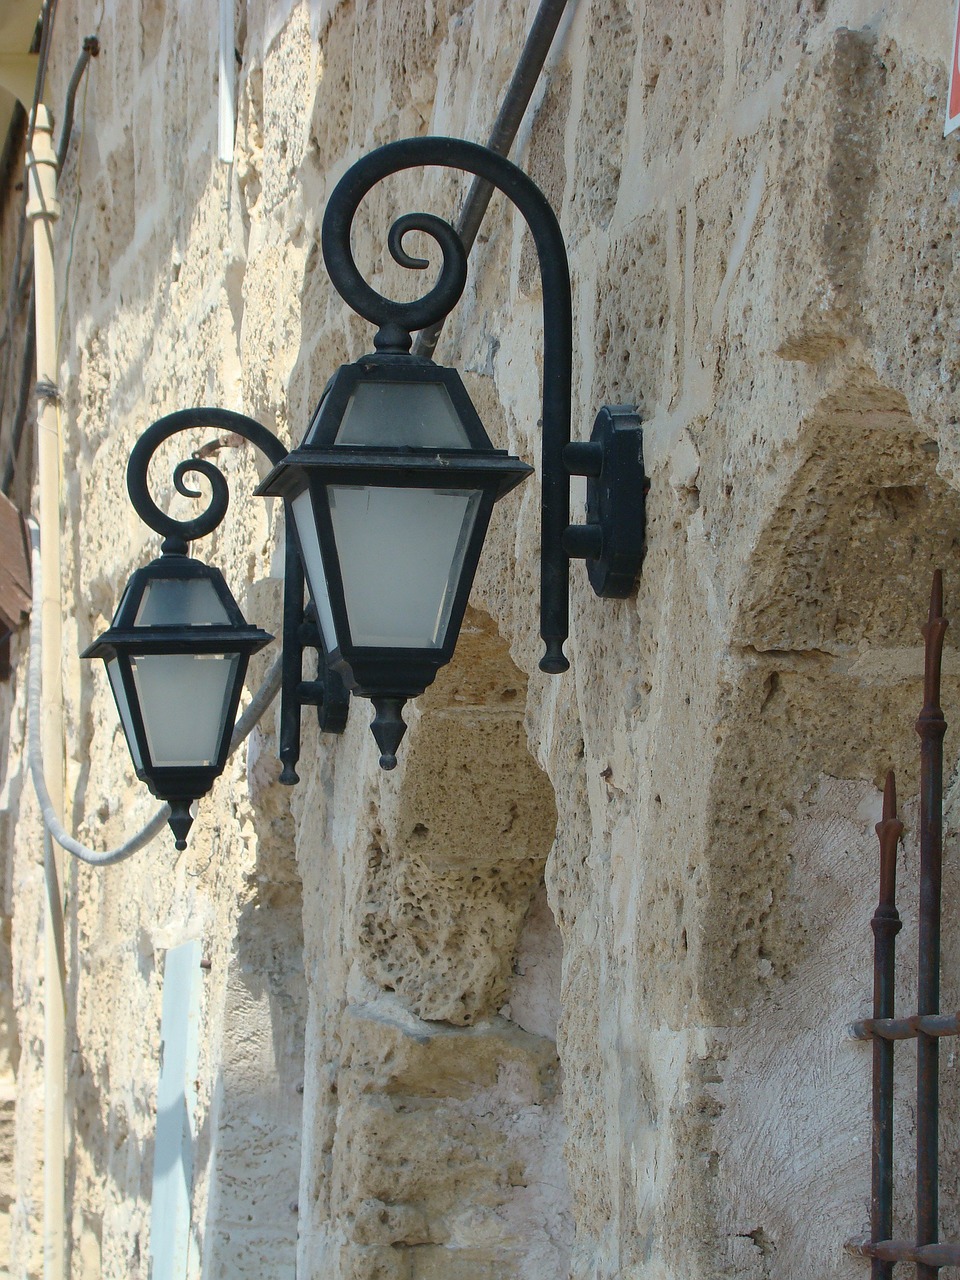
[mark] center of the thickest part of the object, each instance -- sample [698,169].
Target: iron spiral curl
[393,318]
[180,532]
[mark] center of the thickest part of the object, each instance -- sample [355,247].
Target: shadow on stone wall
[823,688]
[252,1141]
[448,1154]
[825,664]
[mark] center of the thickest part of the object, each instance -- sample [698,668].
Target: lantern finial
[388,728]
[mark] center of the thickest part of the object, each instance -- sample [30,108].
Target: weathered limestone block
[633,352]
[429,1060]
[828,146]
[8,1183]
[460,843]
[677,78]
[425,1263]
[827,633]
[441,1141]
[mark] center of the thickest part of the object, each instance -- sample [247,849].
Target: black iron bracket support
[327,692]
[397,320]
[612,540]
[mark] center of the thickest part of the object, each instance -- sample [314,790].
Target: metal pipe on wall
[502,135]
[931,727]
[43,210]
[91,49]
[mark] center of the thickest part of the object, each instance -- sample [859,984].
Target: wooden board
[14,568]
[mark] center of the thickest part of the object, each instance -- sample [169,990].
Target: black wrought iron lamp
[177,651]
[390,493]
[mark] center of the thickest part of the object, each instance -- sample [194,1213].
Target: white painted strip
[228,81]
[176,1098]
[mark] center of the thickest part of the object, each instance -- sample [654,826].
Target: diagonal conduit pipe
[515,103]
[43,210]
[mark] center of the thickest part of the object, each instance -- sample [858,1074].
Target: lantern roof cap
[175,604]
[392,400]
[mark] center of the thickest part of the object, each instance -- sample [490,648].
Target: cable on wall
[21,290]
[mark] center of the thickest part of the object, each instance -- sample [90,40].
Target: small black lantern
[391,492]
[176,656]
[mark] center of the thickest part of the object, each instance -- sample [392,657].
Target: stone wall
[568,993]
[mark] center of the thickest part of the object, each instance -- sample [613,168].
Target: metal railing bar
[931,727]
[931,1024]
[886,925]
[932,1256]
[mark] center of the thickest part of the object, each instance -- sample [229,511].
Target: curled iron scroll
[392,316]
[187,420]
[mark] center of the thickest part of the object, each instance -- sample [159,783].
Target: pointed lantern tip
[388,729]
[180,821]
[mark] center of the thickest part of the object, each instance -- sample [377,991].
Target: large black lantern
[391,492]
[176,656]
[392,488]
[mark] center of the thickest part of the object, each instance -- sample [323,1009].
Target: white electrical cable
[261,700]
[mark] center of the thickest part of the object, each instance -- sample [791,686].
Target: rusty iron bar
[886,924]
[931,1256]
[930,727]
[935,1024]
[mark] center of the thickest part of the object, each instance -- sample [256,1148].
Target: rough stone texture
[567,994]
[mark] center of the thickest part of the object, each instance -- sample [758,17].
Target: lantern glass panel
[181,602]
[418,415]
[123,706]
[401,552]
[303,518]
[184,699]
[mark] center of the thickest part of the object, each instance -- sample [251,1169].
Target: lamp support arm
[397,320]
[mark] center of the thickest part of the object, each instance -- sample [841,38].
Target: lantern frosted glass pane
[183,701]
[401,552]
[313,565]
[400,414]
[123,706]
[181,602]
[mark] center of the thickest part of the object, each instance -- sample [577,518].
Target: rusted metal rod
[931,727]
[934,1024]
[886,925]
[931,1256]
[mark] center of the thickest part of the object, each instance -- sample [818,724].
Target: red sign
[953,93]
